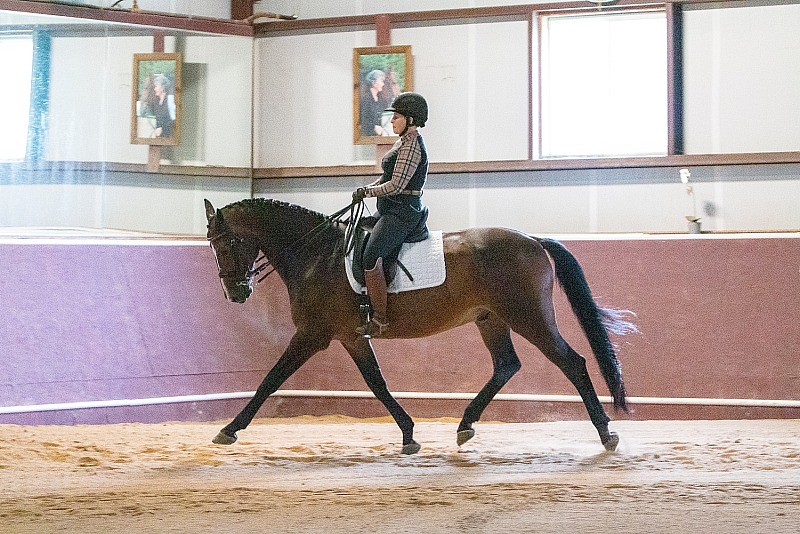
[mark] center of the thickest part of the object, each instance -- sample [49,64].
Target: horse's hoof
[411,448]
[224,439]
[611,442]
[464,436]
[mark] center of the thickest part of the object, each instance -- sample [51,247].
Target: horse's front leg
[364,357]
[300,349]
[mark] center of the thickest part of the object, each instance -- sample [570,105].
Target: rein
[356,210]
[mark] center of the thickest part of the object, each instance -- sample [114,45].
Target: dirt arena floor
[340,475]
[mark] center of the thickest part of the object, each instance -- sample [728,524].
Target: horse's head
[235,256]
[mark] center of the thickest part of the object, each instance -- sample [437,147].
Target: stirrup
[368,329]
[364,313]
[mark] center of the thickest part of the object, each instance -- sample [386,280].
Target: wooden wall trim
[127,16]
[60,167]
[270,173]
[468,15]
[241,9]
[678,160]
[675,80]
[471,15]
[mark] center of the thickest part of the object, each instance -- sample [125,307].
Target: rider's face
[398,123]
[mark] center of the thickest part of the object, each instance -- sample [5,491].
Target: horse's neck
[281,240]
[288,235]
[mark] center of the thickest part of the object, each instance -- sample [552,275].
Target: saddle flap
[425,260]
[361,236]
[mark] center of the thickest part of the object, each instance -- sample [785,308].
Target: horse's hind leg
[364,357]
[573,365]
[548,339]
[497,336]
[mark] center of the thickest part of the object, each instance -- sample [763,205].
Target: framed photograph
[379,74]
[156,101]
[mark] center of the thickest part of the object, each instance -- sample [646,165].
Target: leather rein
[356,209]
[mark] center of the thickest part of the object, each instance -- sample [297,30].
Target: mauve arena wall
[122,320]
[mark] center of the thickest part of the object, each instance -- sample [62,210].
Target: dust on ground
[343,475]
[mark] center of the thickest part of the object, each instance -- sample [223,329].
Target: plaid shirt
[409,156]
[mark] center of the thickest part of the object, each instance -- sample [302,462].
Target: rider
[398,192]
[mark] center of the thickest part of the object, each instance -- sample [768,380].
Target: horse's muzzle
[239,291]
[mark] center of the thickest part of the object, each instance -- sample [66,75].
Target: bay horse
[500,279]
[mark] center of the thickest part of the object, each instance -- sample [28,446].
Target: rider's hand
[359,194]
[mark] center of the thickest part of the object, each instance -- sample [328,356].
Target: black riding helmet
[411,105]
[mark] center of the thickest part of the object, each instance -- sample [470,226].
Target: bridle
[230,271]
[262,263]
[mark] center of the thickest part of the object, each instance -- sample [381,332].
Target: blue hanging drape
[40,95]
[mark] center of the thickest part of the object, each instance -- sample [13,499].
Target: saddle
[390,263]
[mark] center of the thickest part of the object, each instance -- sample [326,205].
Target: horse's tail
[594,320]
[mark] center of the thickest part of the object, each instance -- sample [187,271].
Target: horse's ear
[210,211]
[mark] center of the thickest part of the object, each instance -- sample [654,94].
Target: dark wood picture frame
[391,65]
[156,99]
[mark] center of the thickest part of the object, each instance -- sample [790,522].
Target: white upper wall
[91,100]
[304,99]
[223,96]
[474,76]
[742,79]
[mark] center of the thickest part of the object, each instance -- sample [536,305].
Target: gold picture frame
[156,99]
[380,73]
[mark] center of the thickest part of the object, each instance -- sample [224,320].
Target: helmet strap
[409,119]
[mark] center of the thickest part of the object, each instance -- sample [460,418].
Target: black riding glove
[359,194]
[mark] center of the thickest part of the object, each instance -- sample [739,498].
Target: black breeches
[387,236]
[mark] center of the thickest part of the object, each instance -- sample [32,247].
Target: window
[604,84]
[16,64]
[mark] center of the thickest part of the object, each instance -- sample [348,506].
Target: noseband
[235,242]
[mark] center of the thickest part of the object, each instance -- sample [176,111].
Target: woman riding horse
[499,279]
[399,192]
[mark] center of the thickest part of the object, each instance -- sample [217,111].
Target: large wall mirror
[68,157]
[82,73]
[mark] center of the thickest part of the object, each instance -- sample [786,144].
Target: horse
[500,279]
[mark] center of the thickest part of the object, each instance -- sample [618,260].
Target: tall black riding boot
[376,289]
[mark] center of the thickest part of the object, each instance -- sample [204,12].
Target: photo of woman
[380,75]
[156,99]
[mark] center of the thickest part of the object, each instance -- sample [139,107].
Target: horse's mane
[298,217]
[266,206]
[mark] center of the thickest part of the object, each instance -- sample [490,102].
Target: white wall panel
[304,99]
[742,79]
[475,78]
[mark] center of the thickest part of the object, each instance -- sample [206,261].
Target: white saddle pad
[424,260]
